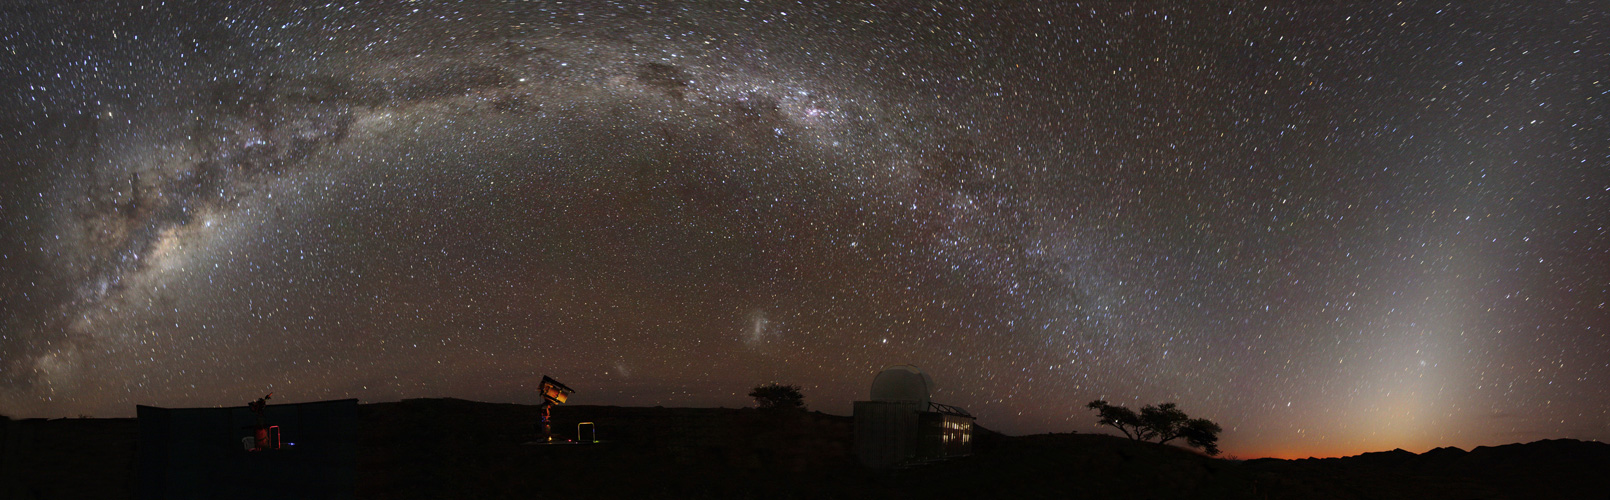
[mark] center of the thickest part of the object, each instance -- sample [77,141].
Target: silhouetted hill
[435,448]
[449,448]
[67,458]
[1556,468]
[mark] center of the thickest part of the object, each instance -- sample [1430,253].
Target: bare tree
[1118,417]
[1161,423]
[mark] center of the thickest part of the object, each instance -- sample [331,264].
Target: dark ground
[447,448]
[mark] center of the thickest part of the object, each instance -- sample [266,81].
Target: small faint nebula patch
[757,329]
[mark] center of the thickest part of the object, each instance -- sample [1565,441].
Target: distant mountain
[450,448]
[1555,468]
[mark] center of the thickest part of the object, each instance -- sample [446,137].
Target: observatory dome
[902,383]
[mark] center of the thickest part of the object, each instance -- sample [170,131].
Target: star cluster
[1332,229]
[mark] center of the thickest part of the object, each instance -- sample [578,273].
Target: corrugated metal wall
[885,432]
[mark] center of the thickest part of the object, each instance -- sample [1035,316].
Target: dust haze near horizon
[1330,229]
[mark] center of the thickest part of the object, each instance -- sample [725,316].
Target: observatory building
[901,425]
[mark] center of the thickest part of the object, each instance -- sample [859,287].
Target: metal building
[900,425]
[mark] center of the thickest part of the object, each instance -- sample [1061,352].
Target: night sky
[1330,229]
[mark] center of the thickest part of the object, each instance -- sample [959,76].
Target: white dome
[902,383]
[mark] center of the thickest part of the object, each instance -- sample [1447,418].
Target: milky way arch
[1330,229]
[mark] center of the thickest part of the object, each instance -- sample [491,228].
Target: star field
[1331,229]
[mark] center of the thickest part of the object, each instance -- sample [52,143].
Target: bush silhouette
[778,397]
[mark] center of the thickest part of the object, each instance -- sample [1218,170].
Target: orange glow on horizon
[1297,455]
[1295,452]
